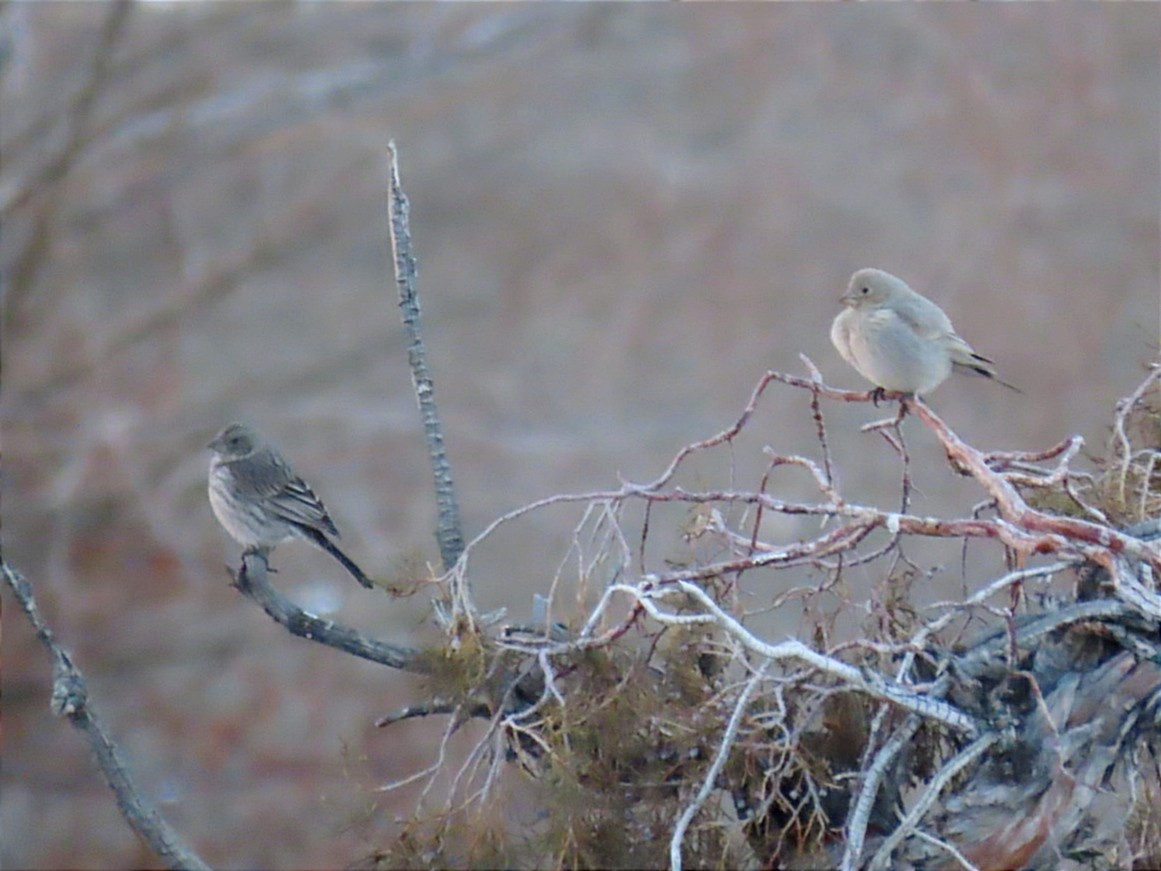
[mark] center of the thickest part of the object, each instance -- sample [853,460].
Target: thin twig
[864,680]
[819,422]
[711,776]
[1124,407]
[410,711]
[949,849]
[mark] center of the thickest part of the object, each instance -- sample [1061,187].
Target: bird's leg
[263,552]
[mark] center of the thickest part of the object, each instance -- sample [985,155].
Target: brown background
[623,216]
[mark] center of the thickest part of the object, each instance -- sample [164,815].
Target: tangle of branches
[1014,726]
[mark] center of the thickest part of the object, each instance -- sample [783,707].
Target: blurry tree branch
[70,699]
[48,182]
[211,283]
[266,105]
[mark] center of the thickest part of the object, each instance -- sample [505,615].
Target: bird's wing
[929,321]
[924,317]
[298,503]
[261,474]
[894,323]
[963,354]
[265,477]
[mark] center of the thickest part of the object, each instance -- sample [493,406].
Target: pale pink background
[623,216]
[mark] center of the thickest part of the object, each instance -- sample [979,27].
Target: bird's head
[871,288]
[235,441]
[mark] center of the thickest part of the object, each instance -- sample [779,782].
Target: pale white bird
[898,339]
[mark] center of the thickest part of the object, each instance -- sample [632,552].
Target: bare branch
[1004,690]
[1043,533]
[70,699]
[449,531]
[1124,407]
[935,786]
[253,582]
[863,680]
[710,780]
[873,777]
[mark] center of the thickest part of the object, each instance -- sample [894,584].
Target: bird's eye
[865,291]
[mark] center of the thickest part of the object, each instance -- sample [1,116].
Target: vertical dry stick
[449,532]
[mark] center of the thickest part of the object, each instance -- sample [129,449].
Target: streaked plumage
[261,502]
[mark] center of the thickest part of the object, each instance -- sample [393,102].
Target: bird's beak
[216,444]
[847,300]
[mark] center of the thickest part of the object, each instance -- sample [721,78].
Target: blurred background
[623,216]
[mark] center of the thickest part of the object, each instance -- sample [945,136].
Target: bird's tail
[976,364]
[330,547]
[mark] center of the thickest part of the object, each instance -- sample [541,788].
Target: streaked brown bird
[261,502]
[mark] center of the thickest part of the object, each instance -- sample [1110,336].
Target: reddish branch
[1040,532]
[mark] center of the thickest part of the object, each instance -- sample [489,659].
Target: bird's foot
[263,552]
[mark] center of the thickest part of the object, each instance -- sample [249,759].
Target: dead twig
[449,531]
